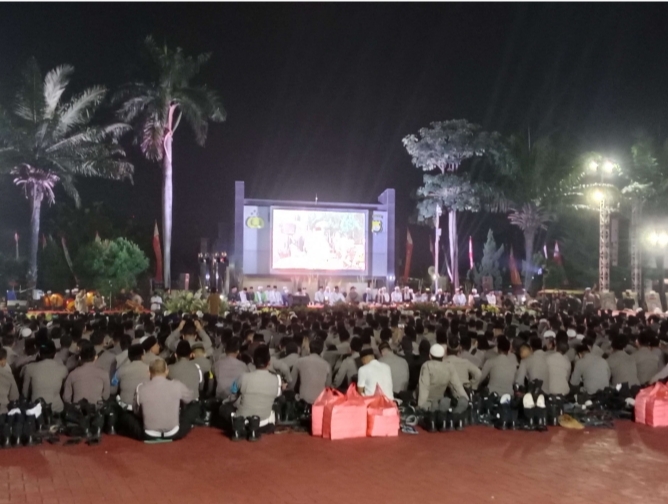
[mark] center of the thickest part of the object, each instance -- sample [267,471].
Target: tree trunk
[529,237]
[167,212]
[454,246]
[36,203]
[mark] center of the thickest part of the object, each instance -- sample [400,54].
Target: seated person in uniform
[87,381]
[252,413]
[157,408]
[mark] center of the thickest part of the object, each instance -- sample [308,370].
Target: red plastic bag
[382,417]
[353,393]
[326,397]
[656,408]
[641,401]
[345,418]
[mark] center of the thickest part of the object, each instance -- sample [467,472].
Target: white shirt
[375,373]
[156,303]
[242,297]
[335,297]
[491,299]
[397,297]
[319,297]
[459,299]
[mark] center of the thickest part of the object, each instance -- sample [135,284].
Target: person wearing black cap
[151,349]
[253,411]
[87,381]
[130,375]
[468,373]
[185,370]
[44,378]
[374,374]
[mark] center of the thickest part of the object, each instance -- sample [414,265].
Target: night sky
[319,96]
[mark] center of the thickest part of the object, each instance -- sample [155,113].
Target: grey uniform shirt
[107,360]
[501,372]
[347,370]
[87,382]
[468,373]
[435,378]
[559,371]
[227,370]
[257,391]
[204,364]
[290,360]
[188,373]
[8,389]
[281,369]
[647,364]
[313,374]
[130,375]
[592,371]
[475,359]
[399,368]
[159,401]
[622,368]
[533,368]
[45,379]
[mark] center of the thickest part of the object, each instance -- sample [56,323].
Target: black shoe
[441,421]
[238,428]
[459,420]
[110,421]
[429,421]
[505,421]
[254,428]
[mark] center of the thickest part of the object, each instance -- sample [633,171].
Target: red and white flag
[545,250]
[158,253]
[471,252]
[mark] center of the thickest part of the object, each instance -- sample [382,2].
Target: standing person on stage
[459,299]
[319,297]
[156,303]
[397,297]
[80,302]
[491,298]
[213,302]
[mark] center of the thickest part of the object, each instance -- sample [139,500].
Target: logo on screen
[255,222]
[376,226]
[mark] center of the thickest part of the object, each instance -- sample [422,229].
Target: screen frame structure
[337,272]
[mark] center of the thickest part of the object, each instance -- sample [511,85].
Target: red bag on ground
[382,417]
[353,393]
[327,396]
[643,396]
[656,407]
[345,418]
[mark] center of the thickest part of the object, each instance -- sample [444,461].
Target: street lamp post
[602,170]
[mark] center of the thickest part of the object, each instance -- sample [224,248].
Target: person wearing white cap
[436,377]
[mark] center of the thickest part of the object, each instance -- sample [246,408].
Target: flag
[557,254]
[68,259]
[16,237]
[545,250]
[471,252]
[409,254]
[512,266]
[158,253]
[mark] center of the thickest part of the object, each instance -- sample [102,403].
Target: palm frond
[79,110]
[55,83]
[30,97]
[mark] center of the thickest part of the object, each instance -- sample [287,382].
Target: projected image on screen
[324,240]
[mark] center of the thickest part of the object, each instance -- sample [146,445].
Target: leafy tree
[55,274]
[489,264]
[443,147]
[46,140]
[110,265]
[156,107]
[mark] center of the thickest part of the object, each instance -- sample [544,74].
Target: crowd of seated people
[153,377]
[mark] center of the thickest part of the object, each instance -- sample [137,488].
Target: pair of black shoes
[245,428]
[441,421]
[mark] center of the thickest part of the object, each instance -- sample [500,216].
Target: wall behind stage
[257,243]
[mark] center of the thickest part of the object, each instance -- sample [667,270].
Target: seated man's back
[45,378]
[87,381]
[312,372]
[131,374]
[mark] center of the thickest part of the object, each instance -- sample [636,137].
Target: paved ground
[628,464]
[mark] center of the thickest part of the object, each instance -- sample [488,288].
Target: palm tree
[543,177]
[156,107]
[46,140]
[530,218]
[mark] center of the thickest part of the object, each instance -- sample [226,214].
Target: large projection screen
[318,240]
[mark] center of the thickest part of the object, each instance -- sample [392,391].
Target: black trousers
[132,426]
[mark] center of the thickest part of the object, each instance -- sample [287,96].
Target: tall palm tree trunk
[454,246]
[167,212]
[529,237]
[36,203]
